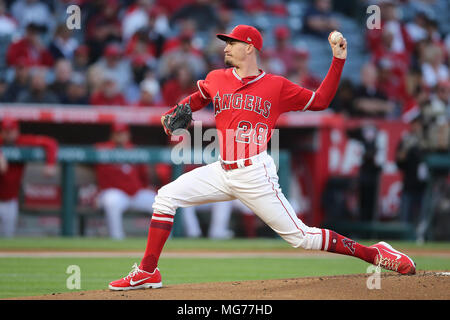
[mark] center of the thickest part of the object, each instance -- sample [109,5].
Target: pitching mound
[424,285]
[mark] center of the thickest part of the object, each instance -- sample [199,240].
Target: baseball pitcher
[247,103]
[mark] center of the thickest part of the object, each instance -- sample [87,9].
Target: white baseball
[336,37]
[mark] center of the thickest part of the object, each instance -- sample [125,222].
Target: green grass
[36,276]
[137,244]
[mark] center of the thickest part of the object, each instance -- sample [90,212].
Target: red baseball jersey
[129,178]
[10,180]
[246,110]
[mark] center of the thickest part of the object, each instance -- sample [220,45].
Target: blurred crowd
[150,52]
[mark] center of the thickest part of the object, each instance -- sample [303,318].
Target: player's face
[235,53]
[121,137]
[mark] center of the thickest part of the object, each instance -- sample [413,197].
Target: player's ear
[250,48]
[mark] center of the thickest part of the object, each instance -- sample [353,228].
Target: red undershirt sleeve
[296,98]
[327,89]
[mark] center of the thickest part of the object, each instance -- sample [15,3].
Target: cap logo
[249,39]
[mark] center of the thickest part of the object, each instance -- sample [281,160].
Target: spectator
[63,45]
[113,64]
[8,25]
[76,91]
[401,43]
[150,93]
[94,77]
[32,11]
[417,29]
[409,158]
[140,45]
[443,96]
[202,12]
[108,94]
[255,7]
[20,82]
[103,27]
[369,174]
[344,98]
[369,101]
[182,85]
[183,54]
[63,73]
[283,54]
[31,48]
[145,15]
[172,6]
[318,19]
[81,58]
[139,70]
[302,74]
[417,95]
[436,125]
[122,186]
[3,88]
[135,18]
[433,67]
[11,172]
[392,69]
[38,91]
[433,34]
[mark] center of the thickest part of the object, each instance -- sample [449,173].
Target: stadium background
[132,59]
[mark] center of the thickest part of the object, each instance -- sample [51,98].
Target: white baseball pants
[115,202]
[9,213]
[256,186]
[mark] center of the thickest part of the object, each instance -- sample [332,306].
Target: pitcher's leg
[274,209]
[202,185]
[264,196]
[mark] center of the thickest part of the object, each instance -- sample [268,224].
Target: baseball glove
[179,118]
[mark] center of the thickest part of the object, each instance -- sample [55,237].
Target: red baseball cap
[282,32]
[9,123]
[112,50]
[244,33]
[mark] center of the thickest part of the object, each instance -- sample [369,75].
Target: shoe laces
[135,270]
[388,263]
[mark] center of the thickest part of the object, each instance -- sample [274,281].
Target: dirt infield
[424,285]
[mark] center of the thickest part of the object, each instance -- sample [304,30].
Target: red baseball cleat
[391,259]
[138,279]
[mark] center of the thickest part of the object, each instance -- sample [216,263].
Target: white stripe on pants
[256,186]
